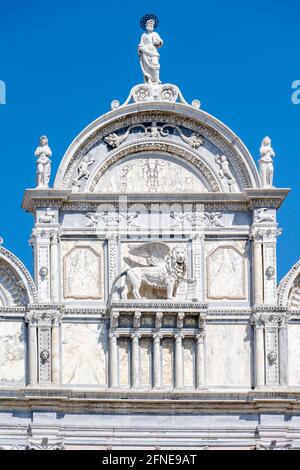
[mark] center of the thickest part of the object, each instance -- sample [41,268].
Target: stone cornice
[249,199]
[124,401]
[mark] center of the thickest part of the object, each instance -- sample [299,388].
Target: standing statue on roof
[43,164]
[266,166]
[147,49]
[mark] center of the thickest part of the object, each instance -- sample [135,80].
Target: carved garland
[212,135]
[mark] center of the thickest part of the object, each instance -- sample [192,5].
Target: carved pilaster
[54,266]
[264,263]
[113,249]
[41,241]
[198,265]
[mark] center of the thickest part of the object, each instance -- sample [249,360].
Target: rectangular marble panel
[294,355]
[145,361]
[226,270]
[189,362]
[12,358]
[124,361]
[82,270]
[228,355]
[84,353]
[167,355]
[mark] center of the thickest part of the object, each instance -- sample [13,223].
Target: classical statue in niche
[43,164]
[164,268]
[266,166]
[147,49]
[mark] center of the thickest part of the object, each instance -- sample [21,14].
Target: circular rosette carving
[142,93]
[169,93]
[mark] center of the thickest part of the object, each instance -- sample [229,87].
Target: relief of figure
[222,161]
[147,49]
[165,269]
[266,166]
[43,164]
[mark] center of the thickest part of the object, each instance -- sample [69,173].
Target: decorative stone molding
[154,131]
[154,92]
[207,171]
[45,444]
[204,130]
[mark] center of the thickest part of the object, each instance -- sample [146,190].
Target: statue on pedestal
[266,166]
[43,164]
[147,49]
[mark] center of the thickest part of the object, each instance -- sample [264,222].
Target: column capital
[179,337]
[113,336]
[157,337]
[135,337]
[200,337]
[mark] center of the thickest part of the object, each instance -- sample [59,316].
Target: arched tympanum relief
[151,174]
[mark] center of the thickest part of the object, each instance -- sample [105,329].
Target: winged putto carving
[164,268]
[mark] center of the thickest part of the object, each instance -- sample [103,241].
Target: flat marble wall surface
[84,353]
[12,352]
[228,355]
[294,354]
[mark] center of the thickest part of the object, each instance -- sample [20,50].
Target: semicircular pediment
[289,289]
[16,285]
[209,144]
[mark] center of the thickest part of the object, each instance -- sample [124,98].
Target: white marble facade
[154,277]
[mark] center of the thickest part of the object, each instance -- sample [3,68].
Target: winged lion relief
[165,269]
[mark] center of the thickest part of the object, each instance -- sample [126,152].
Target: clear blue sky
[64,61]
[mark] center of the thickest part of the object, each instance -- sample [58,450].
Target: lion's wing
[154,252]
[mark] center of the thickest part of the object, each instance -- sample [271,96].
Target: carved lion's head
[179,254]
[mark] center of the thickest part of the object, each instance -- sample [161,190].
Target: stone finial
[43,164]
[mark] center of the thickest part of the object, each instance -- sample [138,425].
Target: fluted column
[113,348]
[259,353]
[156,360]
[54,267]
[200,361]
[135,337]
[55,361]
[178,361]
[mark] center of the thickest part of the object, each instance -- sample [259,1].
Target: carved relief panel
[82,265]
[227,270]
